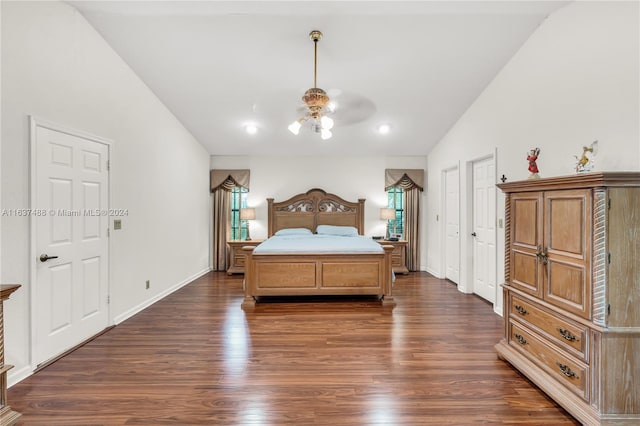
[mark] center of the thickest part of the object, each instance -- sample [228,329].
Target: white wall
[56,67]
[350,178]
[0,149]
[574,81]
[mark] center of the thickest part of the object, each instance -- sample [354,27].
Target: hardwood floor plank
[196,357]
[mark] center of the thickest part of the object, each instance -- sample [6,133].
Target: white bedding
[281,244]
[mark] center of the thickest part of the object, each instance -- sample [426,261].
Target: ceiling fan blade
[345,107]
[352,108]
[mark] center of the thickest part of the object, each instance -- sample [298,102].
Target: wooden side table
[398,255]
[7,416]
[236,257]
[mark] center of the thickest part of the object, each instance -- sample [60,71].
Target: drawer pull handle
[520,339]
[566,371]
[520,309]
[566,334]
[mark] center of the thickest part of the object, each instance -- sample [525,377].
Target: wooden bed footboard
[317,274]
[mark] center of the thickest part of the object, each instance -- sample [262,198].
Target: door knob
[45,257]
[473,234]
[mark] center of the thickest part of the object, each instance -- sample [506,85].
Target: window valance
[228,179]
[404,178]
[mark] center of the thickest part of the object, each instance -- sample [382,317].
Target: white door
[484,230]
[452,224]
[70,214]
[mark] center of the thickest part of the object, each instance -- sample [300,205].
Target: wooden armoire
[572,291]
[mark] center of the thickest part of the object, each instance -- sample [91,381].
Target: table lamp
[248,214]
[388,214]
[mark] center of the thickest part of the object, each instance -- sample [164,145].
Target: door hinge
[108,299]
[108,232]
[609,204]
[108,164]
[608,309]
[609,258]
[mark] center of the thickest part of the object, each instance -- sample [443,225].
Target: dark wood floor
[197,358]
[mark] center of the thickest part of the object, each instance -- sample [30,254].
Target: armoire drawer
[567,370]
[567,334]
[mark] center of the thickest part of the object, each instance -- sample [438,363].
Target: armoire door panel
[527,210]
[568,267]
[566,287]
[525,273]
[566,223]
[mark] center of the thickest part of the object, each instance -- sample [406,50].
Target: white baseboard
[433,272]
[131,312]
[16,376]
[464,290]
[497,309]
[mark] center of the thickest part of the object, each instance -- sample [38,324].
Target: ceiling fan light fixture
[327,122]
[295,127]
[315,97]
[316,100]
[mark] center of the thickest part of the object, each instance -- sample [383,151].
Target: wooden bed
[317,274]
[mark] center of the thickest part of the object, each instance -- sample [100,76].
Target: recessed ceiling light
[383,129]
[252,129]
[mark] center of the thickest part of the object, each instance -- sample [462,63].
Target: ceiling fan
[317,104]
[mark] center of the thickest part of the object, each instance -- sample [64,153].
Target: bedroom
[572,81]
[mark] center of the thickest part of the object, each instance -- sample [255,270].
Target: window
[238,201]
[396,201]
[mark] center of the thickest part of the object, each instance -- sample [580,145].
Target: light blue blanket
[280,244]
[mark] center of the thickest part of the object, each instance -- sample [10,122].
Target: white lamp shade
[325,134]
[387,214]
[327,123]
[248,214]
[295,127]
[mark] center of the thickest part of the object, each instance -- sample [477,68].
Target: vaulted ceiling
[218,65]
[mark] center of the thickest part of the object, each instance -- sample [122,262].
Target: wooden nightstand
[236,257]
[398,255]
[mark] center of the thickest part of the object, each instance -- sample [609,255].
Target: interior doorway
[451,220]
[70,246]
[483,229]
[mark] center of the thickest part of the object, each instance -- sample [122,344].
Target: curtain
[412,227]
[221,228]
[228,179]
[222,183]
[412,182]
[404,178]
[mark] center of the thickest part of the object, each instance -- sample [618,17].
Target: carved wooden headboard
[315,207]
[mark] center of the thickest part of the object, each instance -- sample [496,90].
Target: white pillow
[294,231]
[341,231]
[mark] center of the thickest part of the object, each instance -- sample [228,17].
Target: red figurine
[532,156]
